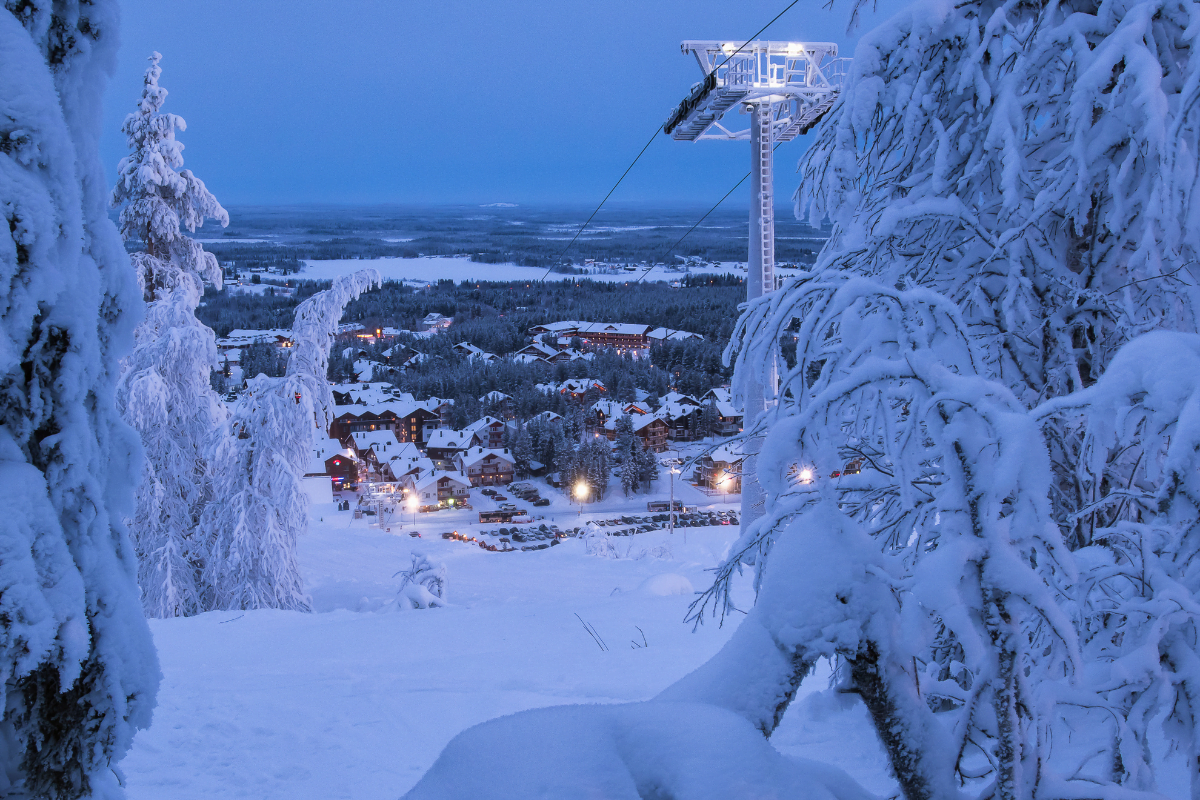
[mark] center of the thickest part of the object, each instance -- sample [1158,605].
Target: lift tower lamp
[786,88]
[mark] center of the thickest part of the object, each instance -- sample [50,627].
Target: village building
[408,460]
[434,321]
[437,487]
[445,444]
[683,420]
[410,421]
[486,467]
[619,336]
[333,460]
[474,353]
[487,432]
[721,469]
[652,431]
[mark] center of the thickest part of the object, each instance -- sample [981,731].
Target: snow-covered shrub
[599,543]
[422,585]
[165,391]
[259,507]
[77,666]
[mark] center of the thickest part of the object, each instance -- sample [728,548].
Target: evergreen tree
[522,450]
[165,391]
[77,665]
[261,459]
[646,462]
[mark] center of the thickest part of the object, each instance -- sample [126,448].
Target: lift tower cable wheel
[785,88]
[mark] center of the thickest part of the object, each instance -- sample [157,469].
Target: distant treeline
[497,316]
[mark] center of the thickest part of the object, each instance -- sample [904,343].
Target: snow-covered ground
[357,699]
[462,268]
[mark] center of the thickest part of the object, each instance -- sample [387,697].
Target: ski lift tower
[785,88]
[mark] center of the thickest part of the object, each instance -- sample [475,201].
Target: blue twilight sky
[451,101]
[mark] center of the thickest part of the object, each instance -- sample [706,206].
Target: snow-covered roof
[241,337]
[447,439]
[324,449]
[669,334]
[728,453]
[683,399]
[401,408]
[727,409]
[527,358]
[482,425]
[546,416]
[643,421]
[430,478]
[383,443]
[720,394]
[674,411]
[538,349]
[469,458]
[371,392]
[494,397]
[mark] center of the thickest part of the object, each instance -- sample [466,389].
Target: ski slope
[357,699]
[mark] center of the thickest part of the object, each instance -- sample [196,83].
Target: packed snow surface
[358,699]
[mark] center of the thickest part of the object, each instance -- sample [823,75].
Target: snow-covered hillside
[357,699]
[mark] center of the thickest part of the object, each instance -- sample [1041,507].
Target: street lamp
[581,493]
[671,507]
[413,503]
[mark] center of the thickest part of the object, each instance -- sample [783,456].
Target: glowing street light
[806,475]
[724,484]
[581,493]
[413,504]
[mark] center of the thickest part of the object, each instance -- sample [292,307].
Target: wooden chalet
[486,467]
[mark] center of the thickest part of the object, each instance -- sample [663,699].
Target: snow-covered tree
[1033,162]
[948,474]
[158,198]
[77,664]
[259,508]
[646,462]
[165,391]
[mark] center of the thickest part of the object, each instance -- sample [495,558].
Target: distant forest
[497,316]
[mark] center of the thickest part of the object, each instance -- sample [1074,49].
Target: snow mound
[688,751]
[667,584]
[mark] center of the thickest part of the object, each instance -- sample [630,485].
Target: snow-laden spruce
[259,508]
[1033,162]
[165,393]
[77,664]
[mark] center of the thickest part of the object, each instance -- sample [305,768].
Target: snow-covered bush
[77,665]
[422,585]
[599,543]
[259,508]
[165,391]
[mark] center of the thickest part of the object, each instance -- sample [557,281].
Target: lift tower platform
[785,88]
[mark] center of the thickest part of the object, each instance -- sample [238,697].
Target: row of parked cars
[528,493]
